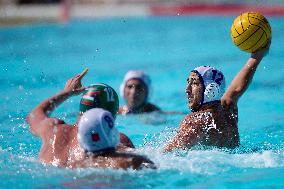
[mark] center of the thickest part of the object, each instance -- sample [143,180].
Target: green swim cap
[99,96]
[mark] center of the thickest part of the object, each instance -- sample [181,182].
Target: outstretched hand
[74,85]
[262,52]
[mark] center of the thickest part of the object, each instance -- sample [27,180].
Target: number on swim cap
[109,121]
[100,96]
[219,78]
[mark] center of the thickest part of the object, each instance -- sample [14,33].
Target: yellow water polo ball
[250,31]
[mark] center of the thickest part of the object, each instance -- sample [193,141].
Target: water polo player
[214,116]
[104,96]
[98,136]
[59,140]
[135,89]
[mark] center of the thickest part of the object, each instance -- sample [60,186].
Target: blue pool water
[37,60]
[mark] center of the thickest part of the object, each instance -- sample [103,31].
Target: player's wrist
[67,92]
[256,57]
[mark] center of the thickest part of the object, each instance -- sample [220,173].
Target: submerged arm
[125,141]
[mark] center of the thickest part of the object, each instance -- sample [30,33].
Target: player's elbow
[231,97]
[238,90]
[237,93]
[29,117]
[29,120]
[228,101]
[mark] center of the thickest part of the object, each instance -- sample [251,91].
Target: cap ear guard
[212,92]
[213,81]
[111,134]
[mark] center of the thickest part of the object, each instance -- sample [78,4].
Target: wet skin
[60,146]
[212,124]
[215,124]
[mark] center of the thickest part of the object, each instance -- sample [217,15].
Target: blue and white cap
[213,82]
[135,74]
[96,131]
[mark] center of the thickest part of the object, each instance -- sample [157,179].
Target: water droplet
[21,88]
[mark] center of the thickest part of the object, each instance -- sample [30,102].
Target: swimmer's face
[135,93]
[194,90]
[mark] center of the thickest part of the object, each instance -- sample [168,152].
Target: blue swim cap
[213,82]
[97,132]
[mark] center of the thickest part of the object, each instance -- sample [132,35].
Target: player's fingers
[83,73]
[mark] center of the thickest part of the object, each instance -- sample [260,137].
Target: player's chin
[189,104]
[189,100]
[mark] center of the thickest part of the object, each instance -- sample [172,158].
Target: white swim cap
[135,74]
[213,82]
[96,131]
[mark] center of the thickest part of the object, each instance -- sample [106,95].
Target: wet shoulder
[198,118]
[60,130]
[56,144]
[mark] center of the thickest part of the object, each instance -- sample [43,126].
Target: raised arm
[242,80]
[39,119]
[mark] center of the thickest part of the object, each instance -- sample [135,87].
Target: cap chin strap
[211,92]
[195,109]
[202,83]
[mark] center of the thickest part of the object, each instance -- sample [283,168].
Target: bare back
[60,145]
[61,148]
